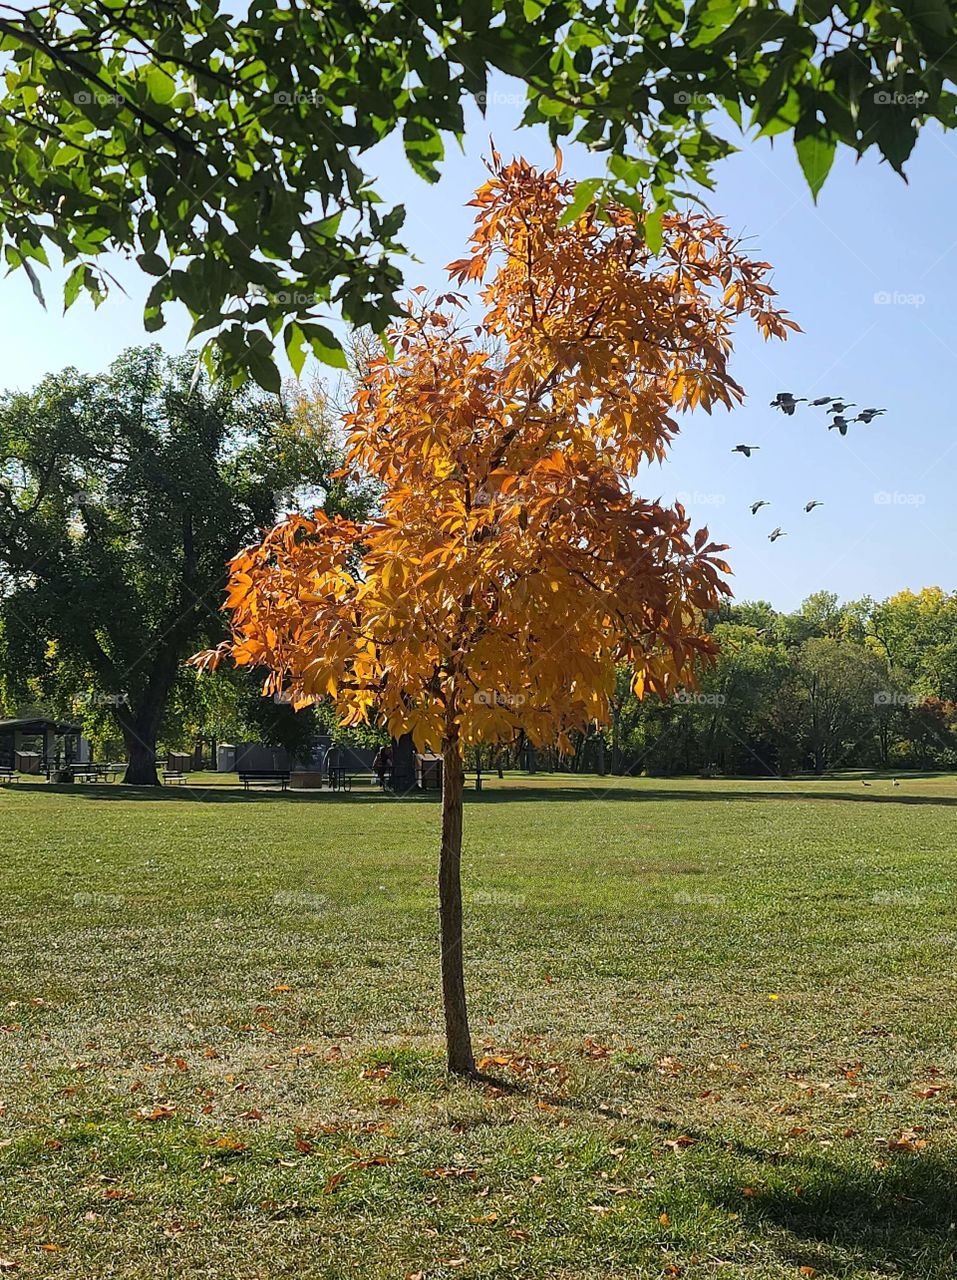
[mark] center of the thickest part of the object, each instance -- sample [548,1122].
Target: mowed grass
[718,1018]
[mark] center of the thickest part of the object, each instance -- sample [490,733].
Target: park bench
[265,778]
[173,779]
[9,775]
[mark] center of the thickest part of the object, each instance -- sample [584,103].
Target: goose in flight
[809,506]
[786,402]
[746,449]
[775,534]
[756,506]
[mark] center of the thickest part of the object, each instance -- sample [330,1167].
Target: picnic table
[89,772]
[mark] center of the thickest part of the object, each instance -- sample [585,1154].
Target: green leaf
[152,263]
[652,229]
[583,197]
[815,154]
[34,281]
[74,283]
[295,341]
[160,85]
[325,346]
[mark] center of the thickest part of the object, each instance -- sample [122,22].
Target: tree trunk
[457,1039]
[141,761]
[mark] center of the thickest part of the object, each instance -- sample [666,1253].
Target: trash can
[27,761]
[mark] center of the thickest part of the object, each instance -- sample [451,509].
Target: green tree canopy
[222,146]
[121,499]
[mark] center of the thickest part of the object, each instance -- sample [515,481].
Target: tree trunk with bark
[141,760]
[457,1038]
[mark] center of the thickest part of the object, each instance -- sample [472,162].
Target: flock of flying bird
[787,403]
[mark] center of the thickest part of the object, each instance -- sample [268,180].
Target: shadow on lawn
[892,1217]
[199,794]
[491,795]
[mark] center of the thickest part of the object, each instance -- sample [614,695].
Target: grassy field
[719,1017]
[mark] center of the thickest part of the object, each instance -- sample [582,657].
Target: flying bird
[756,506]
[840,423]
[786,402]
[775,534]
[823,400]
[866,415]
[746,449]
[840,405]
[809,506]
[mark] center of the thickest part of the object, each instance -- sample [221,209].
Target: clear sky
[870,274]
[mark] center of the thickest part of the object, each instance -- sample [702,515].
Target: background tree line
[830,686]
[123,496]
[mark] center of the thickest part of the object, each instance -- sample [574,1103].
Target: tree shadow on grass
[887,1213]
[705,794]
[199,794]
[493,795]
[895,1215]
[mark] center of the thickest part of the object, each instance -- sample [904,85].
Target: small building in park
[36,744]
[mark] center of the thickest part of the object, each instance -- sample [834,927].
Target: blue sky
[870,274]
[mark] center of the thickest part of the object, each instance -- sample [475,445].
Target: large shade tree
[121,496]
[221,146]
[513,567]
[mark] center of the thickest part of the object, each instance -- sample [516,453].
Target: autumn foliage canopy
[512,566]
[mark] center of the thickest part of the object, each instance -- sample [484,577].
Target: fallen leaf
[161,1111]
[226,1143]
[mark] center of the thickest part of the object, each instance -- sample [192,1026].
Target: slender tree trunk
[458,1041]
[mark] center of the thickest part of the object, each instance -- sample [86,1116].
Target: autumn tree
[512,567]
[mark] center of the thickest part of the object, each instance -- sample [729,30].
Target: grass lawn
[720,1017]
